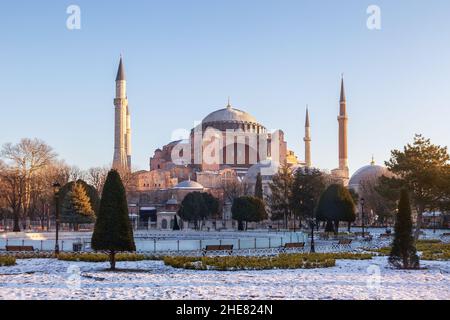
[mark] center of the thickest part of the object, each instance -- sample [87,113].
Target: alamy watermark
[73,21]
[73,280]
[373,282]
[374,19]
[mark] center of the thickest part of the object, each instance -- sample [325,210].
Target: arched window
[164,224]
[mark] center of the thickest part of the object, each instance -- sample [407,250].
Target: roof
[121,71]
[368,172]
[229,114]
[342,90]
[189,184]
[267,168]
[307,118]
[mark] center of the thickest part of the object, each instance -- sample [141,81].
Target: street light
[312,224]
[56,189]
[362,216]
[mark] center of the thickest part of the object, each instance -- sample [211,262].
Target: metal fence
[160,244]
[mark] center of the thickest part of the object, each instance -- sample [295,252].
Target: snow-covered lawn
[52,279]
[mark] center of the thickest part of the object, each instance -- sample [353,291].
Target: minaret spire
[121,71]
[342,88]
[343,124]
[122,123]
[307,140]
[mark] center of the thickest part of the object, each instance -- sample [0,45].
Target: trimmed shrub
[6,261]
[430,249]
[282,261]
[101,257]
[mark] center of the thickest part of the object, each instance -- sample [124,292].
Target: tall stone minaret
[122,123]
[343,121]
[307,140]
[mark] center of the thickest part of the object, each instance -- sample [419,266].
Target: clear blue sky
[184,58]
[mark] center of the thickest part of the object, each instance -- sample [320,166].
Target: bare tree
[235,188]
[24,161]
[96,177]
[11,191]
[75,174]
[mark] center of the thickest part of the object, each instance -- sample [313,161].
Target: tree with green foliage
[308,185]
[212,203]
[77,208]
[194,208]
[424,170]
[91,192]
[176,226]
[355,196]
[248,209]
[336,204]
[113,231]
[379,200]
[403,254]
[259,187]
[280,195]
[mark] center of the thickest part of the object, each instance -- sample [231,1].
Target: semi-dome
[172,201]
[189,184]
[267,168]
[368,172]
[229,114]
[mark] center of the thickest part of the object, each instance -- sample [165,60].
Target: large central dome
[229,114]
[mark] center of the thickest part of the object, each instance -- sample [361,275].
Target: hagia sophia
[229,146]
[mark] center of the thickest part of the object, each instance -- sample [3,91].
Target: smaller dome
[368,172]
[189,184]
[267,168]
[172,202]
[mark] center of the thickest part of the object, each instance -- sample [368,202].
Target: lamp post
[56,189]
[312,224]
[434,221]
[362,216]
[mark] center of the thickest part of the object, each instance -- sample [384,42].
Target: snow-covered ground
[368,279]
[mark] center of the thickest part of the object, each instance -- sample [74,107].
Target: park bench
[324,236]
[293,246]
[19,248]
[361,234]
[343,244]
[226,248]
[366,236]
[445,236]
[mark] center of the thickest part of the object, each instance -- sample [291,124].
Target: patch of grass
[101,257]
[33,255]
[6,261]
[431,250]
[282,261]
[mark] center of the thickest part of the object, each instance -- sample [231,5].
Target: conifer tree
[259,187]
[403,254]
[308,185]
[113,231]
[77,208]
[280,195]
[336,204]
[193,208]
[176,226]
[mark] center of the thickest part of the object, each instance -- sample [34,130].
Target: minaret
[307,140]
[343,120]
[122,124]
